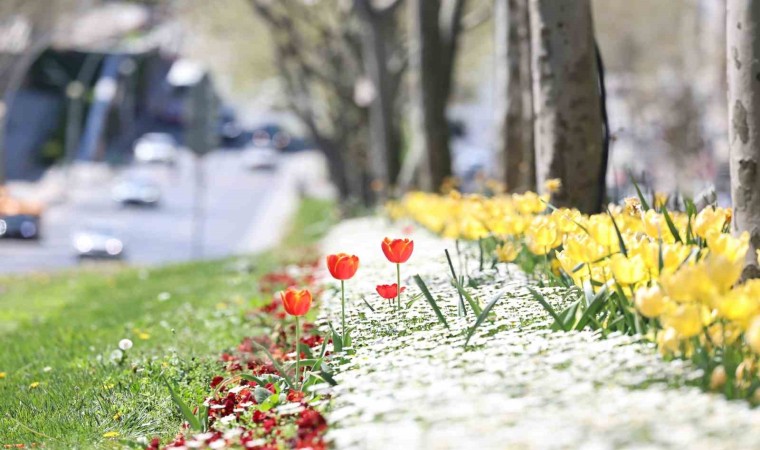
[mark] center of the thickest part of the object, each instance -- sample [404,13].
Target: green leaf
[367,303]
[326,374]
[429,298]
[260,394]
[594,305]
[187,413]
[670,223]
[476,309]
[324,347]
[303,348]
[547,307]
[337,339]
[619,236]
[255,379]
[567,316]
[461,310]
[275,364]
[482,316]
[642,199]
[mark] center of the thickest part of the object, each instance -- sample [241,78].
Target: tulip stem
[398,284]
[343,307]
[298,352]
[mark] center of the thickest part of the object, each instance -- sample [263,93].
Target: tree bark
[514,94]
[743,73]
[568,126]
[435,30]
[378,31]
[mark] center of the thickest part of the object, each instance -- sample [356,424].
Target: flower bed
[410,383]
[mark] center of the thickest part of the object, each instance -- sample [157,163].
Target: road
[234,200]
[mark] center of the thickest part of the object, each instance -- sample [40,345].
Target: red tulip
[397,250]
[342,266]
[296,303]
[388,291]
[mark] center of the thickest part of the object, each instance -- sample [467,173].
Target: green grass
[60,331]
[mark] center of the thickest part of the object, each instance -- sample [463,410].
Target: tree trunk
[385,140]
[743,73]
[430,92]
[568,126]
[514,94]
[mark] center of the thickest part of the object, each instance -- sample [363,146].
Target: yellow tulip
[708,221]
[507,252]
[731,248]
[686,319]
[650,302]
[752,335]
[627,271]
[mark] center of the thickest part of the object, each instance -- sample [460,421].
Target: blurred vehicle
[255,158]
[136,191]
[228,128]
[277,137]
[159,148]
[10,206]
[98,242]
[19,226]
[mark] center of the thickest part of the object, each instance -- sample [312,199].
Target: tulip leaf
[367,303]
[187,413]
[482,316]
[255,379]
[670,223]
[642,199]
[619,235]
[594,305]
[547,307]
[337,340]
[431,300]
[473,304]
[567,316]
[461,310]
[275,364]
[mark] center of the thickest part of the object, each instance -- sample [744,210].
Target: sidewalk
[519,385]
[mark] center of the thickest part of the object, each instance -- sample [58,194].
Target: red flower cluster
[232,396]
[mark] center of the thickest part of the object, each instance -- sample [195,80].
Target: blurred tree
[384,64]
[318,54]
[743,53]
[514,117]
[435,30]
[568,125]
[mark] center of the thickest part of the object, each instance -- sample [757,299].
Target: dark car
[19,226]
[277,137]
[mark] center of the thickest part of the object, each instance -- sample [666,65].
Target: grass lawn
[62,379]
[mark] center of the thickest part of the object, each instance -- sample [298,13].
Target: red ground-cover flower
[232,396]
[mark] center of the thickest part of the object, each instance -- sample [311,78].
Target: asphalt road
[232,201]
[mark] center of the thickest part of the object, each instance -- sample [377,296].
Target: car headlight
[114,247]
[83,244]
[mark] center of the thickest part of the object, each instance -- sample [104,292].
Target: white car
[136,191]
[156,148]
[97,242]
[260,157]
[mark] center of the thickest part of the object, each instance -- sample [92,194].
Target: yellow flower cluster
[682,272]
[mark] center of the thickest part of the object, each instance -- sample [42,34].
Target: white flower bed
[411,385]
